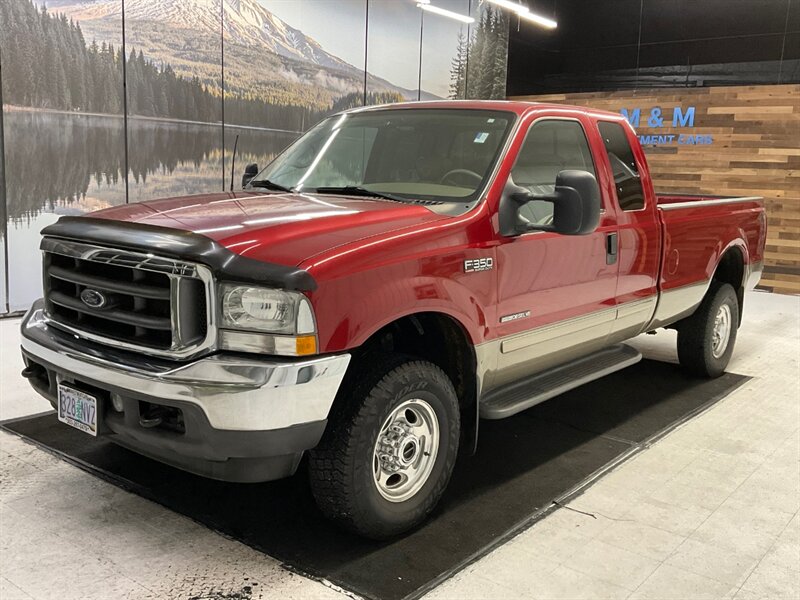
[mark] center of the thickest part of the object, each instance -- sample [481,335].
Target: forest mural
[200,74]
[480,60]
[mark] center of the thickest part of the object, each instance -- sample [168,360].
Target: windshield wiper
[270,185]
[355,190]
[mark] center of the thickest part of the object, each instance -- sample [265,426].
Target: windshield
[441,155]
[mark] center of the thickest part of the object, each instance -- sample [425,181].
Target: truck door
[639,233]
[555,292]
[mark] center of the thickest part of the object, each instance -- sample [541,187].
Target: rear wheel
[706,339]
[389,449]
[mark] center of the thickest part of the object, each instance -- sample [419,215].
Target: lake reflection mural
[201,75]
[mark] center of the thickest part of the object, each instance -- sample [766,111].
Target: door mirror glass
[250,171]
[575,206]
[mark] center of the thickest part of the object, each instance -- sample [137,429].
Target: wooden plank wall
[755,152]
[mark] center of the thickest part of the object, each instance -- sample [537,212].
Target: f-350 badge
[473,265]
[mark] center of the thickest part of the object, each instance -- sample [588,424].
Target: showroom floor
[710,511]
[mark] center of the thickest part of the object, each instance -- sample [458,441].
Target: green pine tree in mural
[52,67]
[458,69]
[479,68]
[356,99]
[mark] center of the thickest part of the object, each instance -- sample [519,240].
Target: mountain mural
[64,71]
[266,59]
[245,22]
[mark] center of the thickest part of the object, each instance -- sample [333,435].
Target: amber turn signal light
[306,344]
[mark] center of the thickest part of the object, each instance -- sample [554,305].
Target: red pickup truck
[395,275]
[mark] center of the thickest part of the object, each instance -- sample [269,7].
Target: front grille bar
[109,285]
[111,314]
[187,297]
[121,258]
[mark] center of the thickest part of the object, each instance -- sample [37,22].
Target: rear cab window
[627,182]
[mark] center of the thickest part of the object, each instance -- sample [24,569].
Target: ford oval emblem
[93,298]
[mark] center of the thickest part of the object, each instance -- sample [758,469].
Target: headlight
[266,321]
[262,309]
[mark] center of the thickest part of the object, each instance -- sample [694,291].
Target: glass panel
[63,128]
[488,52]
[253,147]
[623,165]
[3,295]
[444,51]
[3,226]
[3,211]
[305,62]
[393,51]
[174,75]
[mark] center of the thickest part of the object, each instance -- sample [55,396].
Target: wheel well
[731,270]
[440,339]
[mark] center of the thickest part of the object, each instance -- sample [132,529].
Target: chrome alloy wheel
[406,450]
[722,331]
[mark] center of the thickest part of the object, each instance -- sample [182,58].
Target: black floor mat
[523,464]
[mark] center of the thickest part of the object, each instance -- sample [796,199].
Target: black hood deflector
[183,245]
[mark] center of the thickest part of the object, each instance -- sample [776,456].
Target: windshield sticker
[481,137]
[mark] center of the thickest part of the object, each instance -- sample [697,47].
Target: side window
[549,147]
[630,194]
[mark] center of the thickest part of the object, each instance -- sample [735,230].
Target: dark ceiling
[624,44]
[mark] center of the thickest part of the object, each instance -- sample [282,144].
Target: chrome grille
[128,299]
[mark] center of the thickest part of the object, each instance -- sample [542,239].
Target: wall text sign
[658,119]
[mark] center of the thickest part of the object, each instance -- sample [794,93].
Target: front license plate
[77,408]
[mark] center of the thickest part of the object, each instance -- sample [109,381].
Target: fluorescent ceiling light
[515,6]
[445,13]
[525,13]
[539,20]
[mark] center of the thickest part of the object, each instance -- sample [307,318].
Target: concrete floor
[710,511]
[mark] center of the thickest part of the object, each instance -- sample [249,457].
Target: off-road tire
[341,466]
[696,333]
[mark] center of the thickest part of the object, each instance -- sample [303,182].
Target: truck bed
[696,232]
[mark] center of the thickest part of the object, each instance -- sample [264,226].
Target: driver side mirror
[576,206]
[250,171]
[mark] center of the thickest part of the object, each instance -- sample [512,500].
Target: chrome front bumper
[234,392]
[242,418]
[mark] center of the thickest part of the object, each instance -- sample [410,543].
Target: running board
[522,394]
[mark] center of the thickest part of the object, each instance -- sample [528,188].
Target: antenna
[233,159]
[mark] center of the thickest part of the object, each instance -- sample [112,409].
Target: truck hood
[275,227]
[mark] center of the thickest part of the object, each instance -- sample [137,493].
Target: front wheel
[706,339]
[389,449]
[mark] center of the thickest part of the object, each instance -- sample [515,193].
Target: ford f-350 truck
[394,276]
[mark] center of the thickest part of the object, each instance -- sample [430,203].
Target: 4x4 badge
[474,265]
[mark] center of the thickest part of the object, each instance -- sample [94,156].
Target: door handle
[612,248]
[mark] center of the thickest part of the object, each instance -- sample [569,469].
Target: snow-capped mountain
[264,55]
[245,22]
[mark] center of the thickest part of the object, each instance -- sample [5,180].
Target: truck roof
[516,106]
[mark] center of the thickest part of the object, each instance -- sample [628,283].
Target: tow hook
[29,372]
[152,418]
[34,371]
